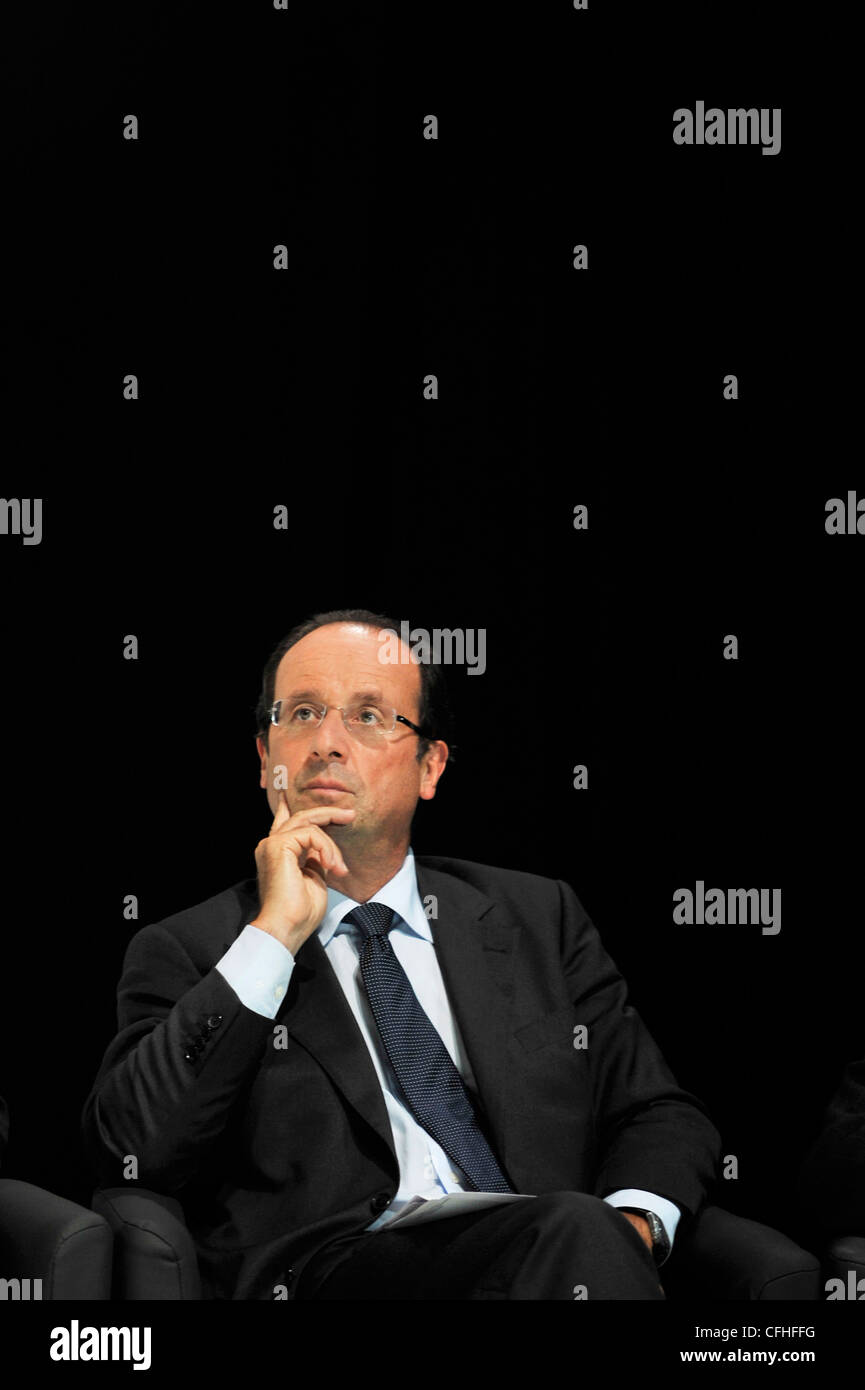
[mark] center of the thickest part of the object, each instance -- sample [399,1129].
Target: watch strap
[660,1240]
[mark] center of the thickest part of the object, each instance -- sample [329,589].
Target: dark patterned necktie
[432,1085]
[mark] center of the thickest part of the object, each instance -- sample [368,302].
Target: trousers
[559,1245]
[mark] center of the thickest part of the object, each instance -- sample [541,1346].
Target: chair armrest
[723,1256]
[845,1253]
[155,1254]
[49,1238]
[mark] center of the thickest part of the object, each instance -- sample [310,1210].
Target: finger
[312,866]
[321,815]
[317,815]
[308,839]
[282,814]
[330,849]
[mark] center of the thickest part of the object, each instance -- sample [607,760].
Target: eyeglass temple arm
[401,719]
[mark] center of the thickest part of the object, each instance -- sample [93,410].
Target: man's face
[381,781]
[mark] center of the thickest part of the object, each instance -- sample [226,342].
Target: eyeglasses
[365,721]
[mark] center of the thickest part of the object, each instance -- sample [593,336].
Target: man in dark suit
[306,1052]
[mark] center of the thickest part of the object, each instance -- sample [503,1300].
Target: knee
[577,1209]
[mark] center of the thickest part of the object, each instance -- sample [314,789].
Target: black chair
[721,1256]
[831,1186]
[50,1247]
[155,1256]
[845,1260]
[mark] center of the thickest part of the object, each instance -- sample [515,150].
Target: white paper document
[453,1204]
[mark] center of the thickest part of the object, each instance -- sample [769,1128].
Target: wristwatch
[660,1240]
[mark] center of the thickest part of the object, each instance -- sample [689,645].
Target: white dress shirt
[258,968]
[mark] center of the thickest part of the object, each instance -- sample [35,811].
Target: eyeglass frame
[398,718]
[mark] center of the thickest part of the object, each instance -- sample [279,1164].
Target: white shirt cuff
[667,1212]
[258,968]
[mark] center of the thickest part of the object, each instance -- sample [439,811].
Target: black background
[304,388]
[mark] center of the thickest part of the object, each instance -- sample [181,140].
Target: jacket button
[380,1201]
[214,1021]
[190,1057]
[289,1275]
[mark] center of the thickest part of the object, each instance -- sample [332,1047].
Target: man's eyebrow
[303,695]
[317,695]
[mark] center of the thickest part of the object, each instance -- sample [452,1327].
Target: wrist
[288,939]
[660,1241]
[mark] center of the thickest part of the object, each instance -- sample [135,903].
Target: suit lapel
[475,953]
[317,1014]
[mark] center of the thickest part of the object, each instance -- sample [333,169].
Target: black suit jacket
[276,1151]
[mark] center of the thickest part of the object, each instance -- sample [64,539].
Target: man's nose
[331,736]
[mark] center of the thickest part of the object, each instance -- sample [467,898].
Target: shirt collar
[400,893]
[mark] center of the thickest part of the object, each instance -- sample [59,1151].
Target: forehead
[342,658]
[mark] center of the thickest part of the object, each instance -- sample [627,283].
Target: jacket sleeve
[185,1051]
[651,1134]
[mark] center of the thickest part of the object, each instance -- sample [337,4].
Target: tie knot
[374,919]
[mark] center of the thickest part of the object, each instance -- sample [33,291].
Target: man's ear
[434,763]
[263,756]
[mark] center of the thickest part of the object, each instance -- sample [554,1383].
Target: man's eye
[369,715]
[302,714]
